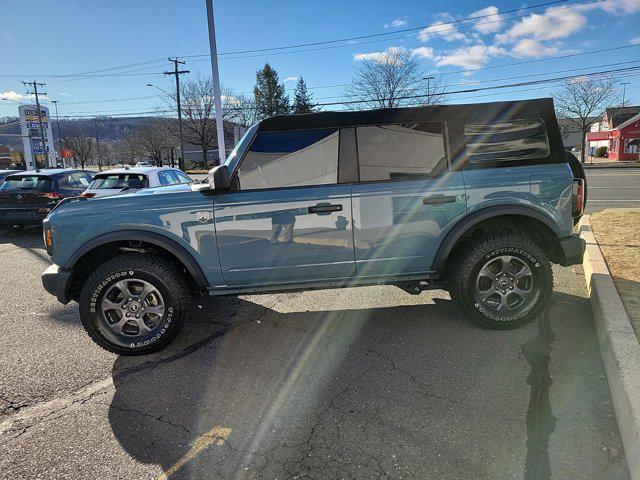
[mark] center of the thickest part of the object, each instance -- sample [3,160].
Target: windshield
[236,153]
[119,181]
[27,182]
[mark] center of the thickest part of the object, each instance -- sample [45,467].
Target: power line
[100,72]
[395,32]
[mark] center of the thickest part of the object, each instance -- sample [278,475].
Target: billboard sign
[36,148]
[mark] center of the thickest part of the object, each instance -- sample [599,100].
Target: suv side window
[81,179]
[183,177]
[290,159]
[514,140]
[167,177]
[401,152]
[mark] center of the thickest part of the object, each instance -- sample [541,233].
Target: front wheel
[502,281]
[134,304]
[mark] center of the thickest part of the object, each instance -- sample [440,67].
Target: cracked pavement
[347,384]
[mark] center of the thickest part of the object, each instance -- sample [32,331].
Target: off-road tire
[162,275]
[471,258]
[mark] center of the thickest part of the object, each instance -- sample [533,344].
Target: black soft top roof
[455,116]
[477,112]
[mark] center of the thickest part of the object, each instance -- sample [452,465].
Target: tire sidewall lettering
[101,288]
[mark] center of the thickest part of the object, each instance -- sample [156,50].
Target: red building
[619,131]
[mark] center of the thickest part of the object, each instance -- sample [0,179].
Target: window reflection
[398,152]
[292,158]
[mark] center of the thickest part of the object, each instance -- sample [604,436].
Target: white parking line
[616,201]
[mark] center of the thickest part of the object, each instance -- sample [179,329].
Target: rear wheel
[134,304]
[502,281]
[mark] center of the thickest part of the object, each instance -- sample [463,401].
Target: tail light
[578,197]
[88,195]
[51,195]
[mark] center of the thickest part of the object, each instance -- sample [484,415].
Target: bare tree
[393,78]
[242,110]
[583,100]
[126,149]
[198,113]
[152,140]
[80,144]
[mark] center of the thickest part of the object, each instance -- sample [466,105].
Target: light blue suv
[475,199]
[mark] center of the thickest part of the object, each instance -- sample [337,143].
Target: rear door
[21,191]
[406,200]
[289,219]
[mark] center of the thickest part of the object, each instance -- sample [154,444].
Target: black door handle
[438,199]
[325,208]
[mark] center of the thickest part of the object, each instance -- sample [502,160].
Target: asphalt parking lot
[354,383]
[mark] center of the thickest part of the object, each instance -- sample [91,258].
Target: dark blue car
[27,197]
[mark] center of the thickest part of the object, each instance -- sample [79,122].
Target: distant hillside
[107,128]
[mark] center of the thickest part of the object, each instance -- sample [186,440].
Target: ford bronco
[476,199]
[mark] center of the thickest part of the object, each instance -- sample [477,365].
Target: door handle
[325,208]
[438,199]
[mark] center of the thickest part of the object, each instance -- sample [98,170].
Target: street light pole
[55,102]
[222,152]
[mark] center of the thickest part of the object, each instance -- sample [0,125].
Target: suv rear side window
[506,141]
[119,180]
[291,158]
[401,152]
[27,182]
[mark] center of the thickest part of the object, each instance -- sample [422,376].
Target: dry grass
[618,234]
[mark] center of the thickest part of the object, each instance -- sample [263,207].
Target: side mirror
[219,178]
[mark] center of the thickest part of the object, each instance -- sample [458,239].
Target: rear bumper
[571,250]
[56,281]
[25,217]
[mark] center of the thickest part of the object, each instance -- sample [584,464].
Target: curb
[619,347]
[611,165]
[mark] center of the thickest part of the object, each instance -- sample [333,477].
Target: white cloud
[635,41]
[424,52]
[550,25]
[11,95]
[619,7]
[62,94]
[442,29]
[471,57]
[386,56]
[488,24]
[291,79]
[397,23]
[528,47]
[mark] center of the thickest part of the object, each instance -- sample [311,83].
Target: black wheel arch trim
[153,238]
[472,219]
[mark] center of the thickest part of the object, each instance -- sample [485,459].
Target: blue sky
[79,36]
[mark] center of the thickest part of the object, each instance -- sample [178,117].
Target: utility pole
[222,152]
[55,102]
[428,79]
[35,92]
[624,91]
[176,72]
[95,124]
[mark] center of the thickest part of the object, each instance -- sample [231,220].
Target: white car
[113,182]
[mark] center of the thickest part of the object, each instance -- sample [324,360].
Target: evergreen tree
[269,94]
[302,99]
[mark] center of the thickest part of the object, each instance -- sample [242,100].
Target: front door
[406,200]
[289,220]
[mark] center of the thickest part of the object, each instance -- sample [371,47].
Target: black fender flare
[476,217]
[153,238]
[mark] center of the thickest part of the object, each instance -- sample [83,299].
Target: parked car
[476,199]
[113,182]
[27,197]
[146,163]
[5,173]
